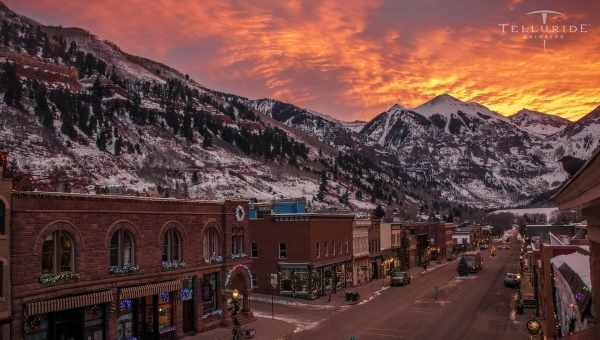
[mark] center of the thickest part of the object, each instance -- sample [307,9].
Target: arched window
[122,249]
[210,245]
[172,246]
[58,253]
[237,241]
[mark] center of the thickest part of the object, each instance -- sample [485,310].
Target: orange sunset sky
[353,59]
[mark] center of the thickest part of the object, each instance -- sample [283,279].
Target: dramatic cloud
[353,59]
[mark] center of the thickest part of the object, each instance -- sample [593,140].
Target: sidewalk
[337,301]
[266,329]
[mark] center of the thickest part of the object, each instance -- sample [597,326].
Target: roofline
[312,214]
[67,195]
[577,174]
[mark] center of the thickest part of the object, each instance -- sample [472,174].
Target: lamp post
[533,327]
[237,330]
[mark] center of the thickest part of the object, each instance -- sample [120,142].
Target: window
[326,249]
[237,241]
[210,244]
[58,253]
[318,249]
[254,249]
[122,249]
[2,217]
[210,288]
[2,279]
[347,247]
[282,250]
[172,246]
[339,247]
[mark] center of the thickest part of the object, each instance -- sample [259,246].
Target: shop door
[68,325]
[187,296]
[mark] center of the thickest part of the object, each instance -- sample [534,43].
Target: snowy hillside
[80,114]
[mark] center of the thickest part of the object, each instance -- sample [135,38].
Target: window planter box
[238,256]
[214,259]
[53,278]
[172,265]
[123,270]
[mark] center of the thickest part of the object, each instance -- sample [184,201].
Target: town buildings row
[82,266]
[307,255]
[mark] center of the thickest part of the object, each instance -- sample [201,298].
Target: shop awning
[71,302]
[152,289]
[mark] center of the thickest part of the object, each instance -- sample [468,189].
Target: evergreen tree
[344,198]
[41,106]
[118,146]
[12,85]
[359,195]
[379,212]
[207,142]
[322,187]
[101,141]
[187,127]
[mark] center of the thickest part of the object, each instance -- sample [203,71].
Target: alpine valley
[79,110]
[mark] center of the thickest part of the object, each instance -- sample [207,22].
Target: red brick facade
[91,222]
[307,239]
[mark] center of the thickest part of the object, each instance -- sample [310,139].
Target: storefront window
[316,282]
[301,282]
[125,322]
[210,286]
[285,282]
[340,276]
[94,322]
[165,313]
[36,327]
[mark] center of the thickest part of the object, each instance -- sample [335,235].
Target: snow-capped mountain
[470,153]
[580,138]
[539,123]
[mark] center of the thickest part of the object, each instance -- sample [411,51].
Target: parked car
[474,261]
[512,280]
[400,278]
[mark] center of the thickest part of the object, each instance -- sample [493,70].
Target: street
[437,305]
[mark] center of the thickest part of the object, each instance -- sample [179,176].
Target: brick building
[360,251]
[582,191]
[545,282]
[112,267]
[311,253]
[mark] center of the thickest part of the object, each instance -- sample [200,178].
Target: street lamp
[533,327]
[237,330]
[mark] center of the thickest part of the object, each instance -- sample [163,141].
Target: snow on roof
[579,263]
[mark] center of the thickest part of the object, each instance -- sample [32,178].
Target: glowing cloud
[353,59]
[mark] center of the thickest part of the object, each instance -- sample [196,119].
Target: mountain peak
[539,123]
[445,98]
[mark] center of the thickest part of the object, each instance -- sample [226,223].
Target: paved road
[477,307]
